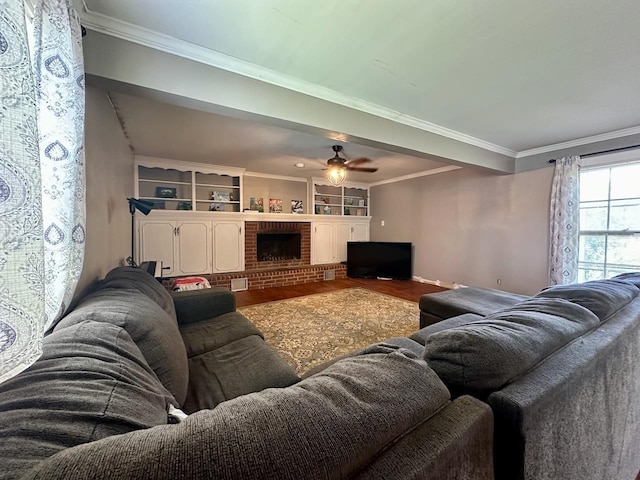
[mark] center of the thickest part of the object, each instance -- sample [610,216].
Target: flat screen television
[379,260]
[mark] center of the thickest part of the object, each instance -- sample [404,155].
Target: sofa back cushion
[482,356]
[631,277]
[328,426]
[137,279]
[152,329]
[602,297]
[91,382]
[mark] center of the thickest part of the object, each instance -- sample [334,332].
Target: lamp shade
[142,206]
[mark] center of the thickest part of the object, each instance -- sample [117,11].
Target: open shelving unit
[172,185]
[346,199]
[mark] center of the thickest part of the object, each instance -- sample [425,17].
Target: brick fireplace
[251,231]
[272,273]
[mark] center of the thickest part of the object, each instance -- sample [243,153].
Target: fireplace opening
[273,247]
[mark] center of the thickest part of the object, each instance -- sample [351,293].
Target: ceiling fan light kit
[338,166]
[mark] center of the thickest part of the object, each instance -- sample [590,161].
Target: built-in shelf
[353,199]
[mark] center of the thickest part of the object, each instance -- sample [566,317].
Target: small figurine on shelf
[327,210]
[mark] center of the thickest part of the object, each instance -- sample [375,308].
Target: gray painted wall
[109,171]
[471,227]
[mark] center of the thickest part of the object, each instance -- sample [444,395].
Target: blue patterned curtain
[564,222]
[42,229]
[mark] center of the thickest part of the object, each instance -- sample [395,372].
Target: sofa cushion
[421,335]
[237,368]
[484,355]
[602,297]
[90,382]
[631,277]
[210,334]
[136,279]
[481,301]
[152,329]
[327,426]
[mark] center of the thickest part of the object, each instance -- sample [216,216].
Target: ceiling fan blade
[362,169]
[357,161]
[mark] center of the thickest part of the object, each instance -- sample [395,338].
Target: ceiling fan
[338,166]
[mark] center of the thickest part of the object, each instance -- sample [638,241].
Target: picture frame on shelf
[256,204]
[166,192]
[297,206]
[275,205]
[361,202]
[220,196]
[216,207]
[184,206]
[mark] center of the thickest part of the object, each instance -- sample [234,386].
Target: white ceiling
[520,75]
[162,130]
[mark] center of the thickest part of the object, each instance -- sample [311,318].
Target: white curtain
[42,229]
[564,222]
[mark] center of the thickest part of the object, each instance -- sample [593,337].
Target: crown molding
[580,141]
[275,177]
[433,171]
[165,43]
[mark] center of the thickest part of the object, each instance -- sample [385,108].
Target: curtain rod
[586,155]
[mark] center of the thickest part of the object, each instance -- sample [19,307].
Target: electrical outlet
[499,281]
[382,223]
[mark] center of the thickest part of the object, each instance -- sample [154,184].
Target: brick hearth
[277,273]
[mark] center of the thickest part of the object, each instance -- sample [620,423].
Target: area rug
[310,330]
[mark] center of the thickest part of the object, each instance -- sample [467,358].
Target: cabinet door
[194,247]
[323,243]
[343,235]
[360,232]
[157,242]
[227,247]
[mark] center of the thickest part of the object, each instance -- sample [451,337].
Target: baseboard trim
[438,283]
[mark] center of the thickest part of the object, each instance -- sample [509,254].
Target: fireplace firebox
[278,246]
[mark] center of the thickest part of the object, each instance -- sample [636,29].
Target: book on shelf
[275,205]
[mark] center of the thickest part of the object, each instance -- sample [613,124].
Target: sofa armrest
[197,305]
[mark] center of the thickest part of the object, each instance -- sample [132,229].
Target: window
[609,221]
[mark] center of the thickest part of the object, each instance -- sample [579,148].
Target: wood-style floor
[406,289]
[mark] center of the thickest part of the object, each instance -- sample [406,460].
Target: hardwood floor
[406,289]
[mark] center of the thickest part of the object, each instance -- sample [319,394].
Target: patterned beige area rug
[310,330]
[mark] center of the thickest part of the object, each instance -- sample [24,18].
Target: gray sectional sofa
[560,370]
[100,401]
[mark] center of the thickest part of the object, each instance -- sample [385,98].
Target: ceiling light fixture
[336,174]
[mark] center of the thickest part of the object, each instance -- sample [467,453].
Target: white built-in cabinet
[329,239]
[197,221]
[192,247]
[228,246]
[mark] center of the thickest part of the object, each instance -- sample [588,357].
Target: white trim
[580,141]
[151,162]
[165,43]
[438,283]
[434,171]
[251,216]
[275,177]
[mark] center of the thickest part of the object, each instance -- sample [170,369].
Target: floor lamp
[143,206]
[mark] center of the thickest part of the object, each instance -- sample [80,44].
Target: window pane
[590,273]
[624,181]
[625,215]
[593,216]
[591,249]
[623,252]
[594,185]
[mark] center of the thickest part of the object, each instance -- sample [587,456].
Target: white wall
[109,171]
[471,227]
